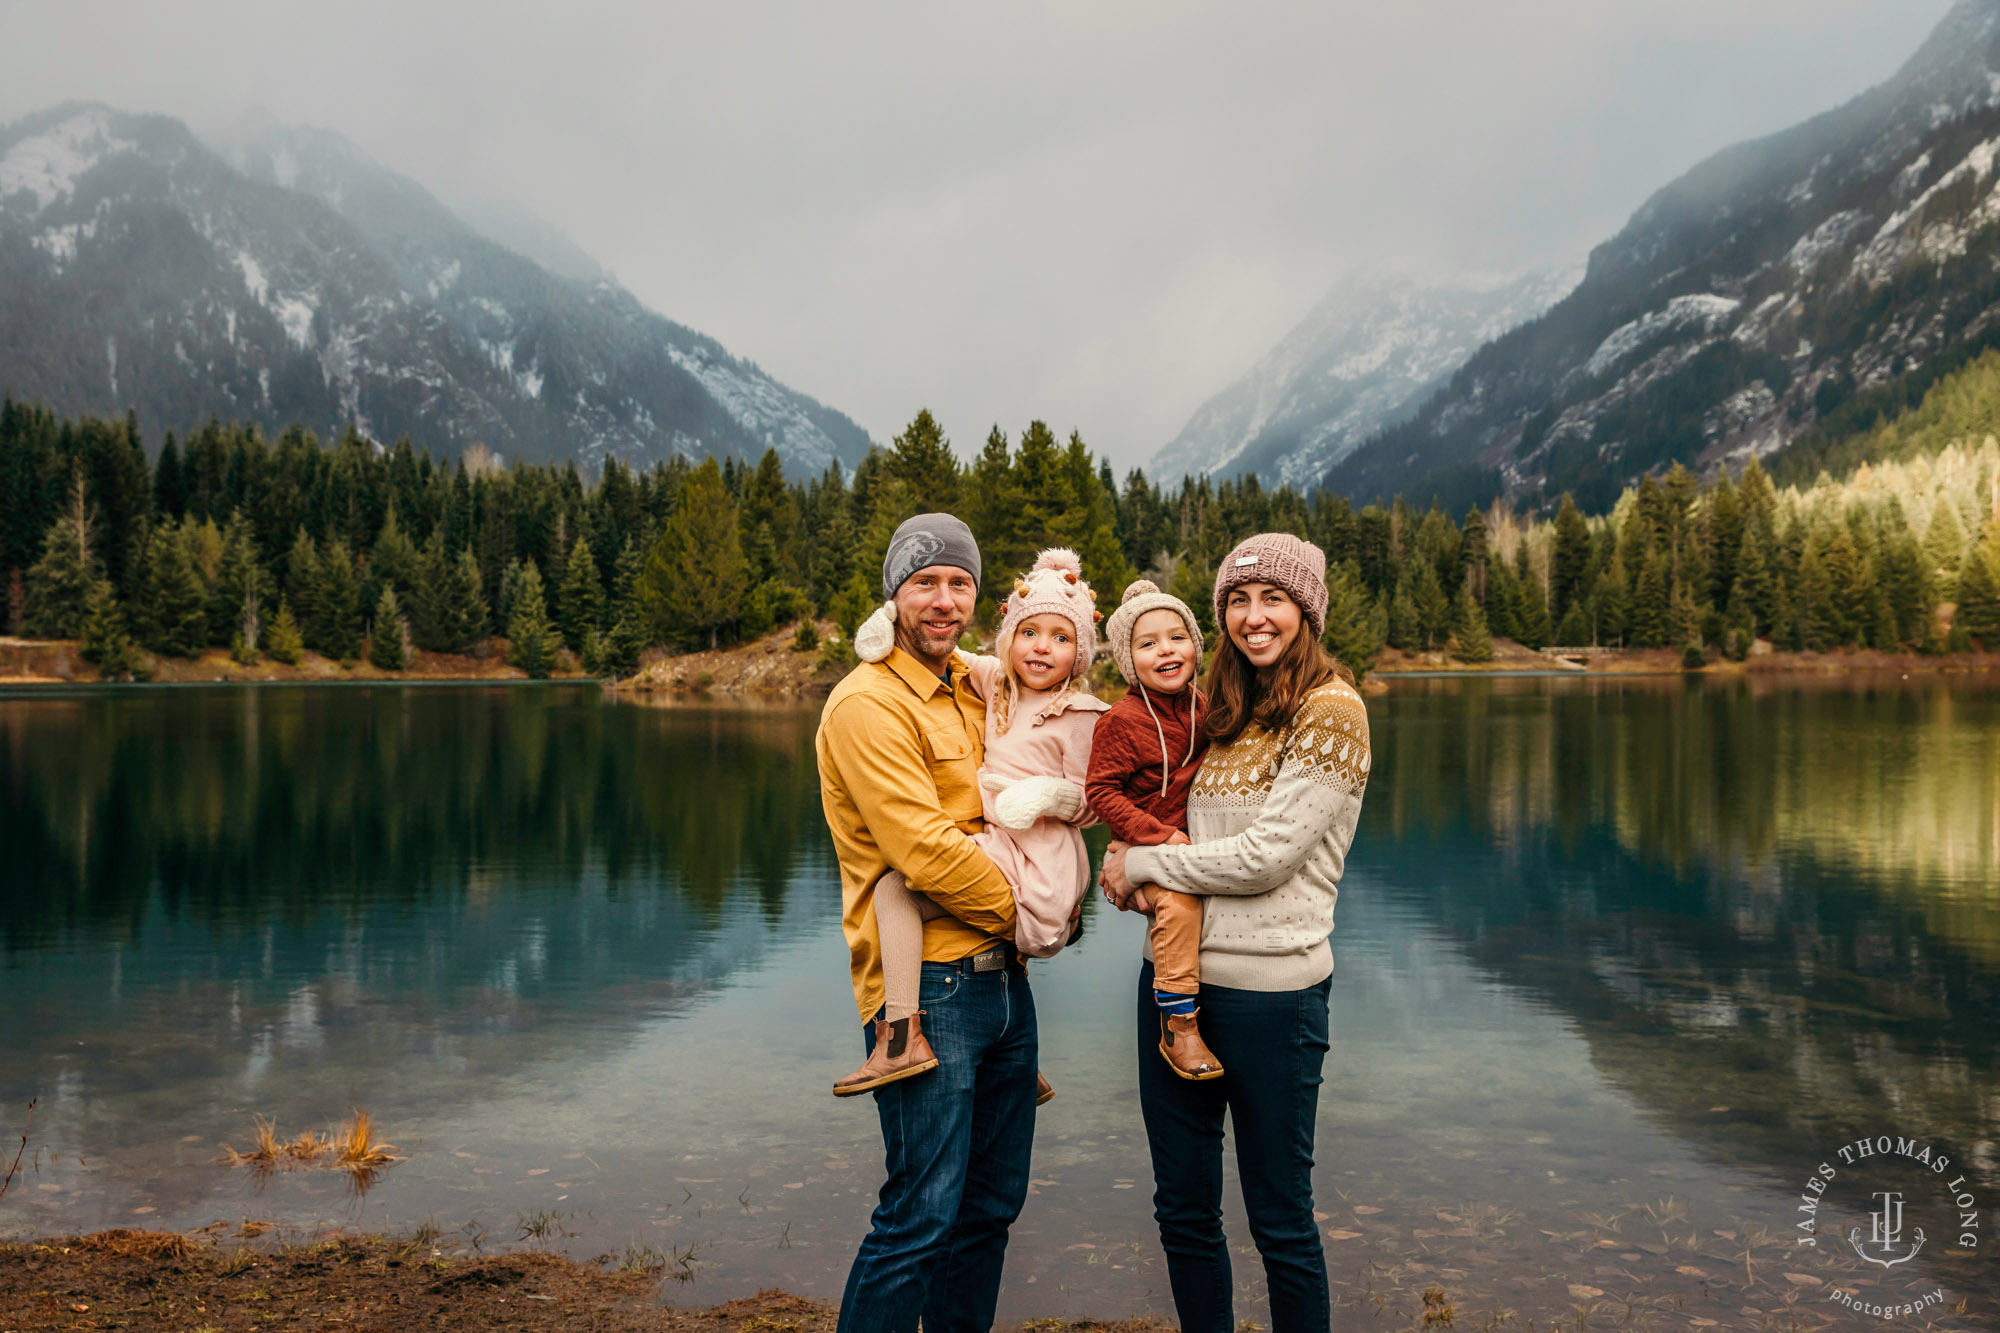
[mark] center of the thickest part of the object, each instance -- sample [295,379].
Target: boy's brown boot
[901,1051]
[1044,1094]
[1185,1051]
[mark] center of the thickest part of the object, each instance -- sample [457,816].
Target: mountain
[289,277]
[1365,358]
[1790,286]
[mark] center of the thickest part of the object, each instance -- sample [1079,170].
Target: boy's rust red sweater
[1137,788]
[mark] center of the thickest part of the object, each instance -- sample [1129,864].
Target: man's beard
[922,641]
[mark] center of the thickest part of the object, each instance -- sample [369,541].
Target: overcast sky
[1095,213]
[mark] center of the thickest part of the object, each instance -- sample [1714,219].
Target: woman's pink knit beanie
[1280,559]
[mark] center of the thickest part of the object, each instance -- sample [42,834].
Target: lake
[1619,964]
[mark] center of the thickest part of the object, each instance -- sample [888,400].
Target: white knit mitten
[1019,803]
[876,636]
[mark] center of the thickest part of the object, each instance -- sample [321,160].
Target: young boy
[1143,758]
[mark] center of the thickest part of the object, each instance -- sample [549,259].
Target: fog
[1097,214]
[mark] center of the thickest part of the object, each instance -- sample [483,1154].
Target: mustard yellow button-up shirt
[899,754]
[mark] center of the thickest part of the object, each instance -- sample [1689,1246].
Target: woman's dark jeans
[1272,1045]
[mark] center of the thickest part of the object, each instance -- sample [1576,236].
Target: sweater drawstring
[1166,761]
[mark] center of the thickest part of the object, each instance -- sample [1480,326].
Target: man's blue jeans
[958,1141]
[1273,1044]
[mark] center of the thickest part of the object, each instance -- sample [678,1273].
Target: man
[899,745]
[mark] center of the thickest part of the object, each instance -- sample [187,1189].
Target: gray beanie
[926,540]
[1143,596]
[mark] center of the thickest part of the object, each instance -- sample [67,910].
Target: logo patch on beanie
[914,552]
[1243,560]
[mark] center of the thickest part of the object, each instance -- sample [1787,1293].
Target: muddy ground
[227,1282]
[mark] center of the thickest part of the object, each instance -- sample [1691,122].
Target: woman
[1271,815]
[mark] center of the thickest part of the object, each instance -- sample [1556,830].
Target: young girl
[1038,730]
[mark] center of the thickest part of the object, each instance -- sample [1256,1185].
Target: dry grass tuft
[136,1244]
[355,1144]
[352,1147]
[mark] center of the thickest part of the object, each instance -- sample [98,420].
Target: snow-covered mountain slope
[1362,359]
[291,278]
[1792,285]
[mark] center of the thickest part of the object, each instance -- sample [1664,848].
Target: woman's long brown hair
[1240,693]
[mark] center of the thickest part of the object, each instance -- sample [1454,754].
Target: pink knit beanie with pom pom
[1054,586]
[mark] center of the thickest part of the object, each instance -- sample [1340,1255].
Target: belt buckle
[993,960]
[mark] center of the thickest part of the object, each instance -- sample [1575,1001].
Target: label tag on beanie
[1243,560]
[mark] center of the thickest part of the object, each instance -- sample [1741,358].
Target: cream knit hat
[1054,586]
[1142,596]
[1277,558]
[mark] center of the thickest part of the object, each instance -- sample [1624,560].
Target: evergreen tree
[169,497]
[1574,631]
[1978,613]
[285,643]
[582,596]
[106,645]
[1433,607]
[301,586]
[1683,618]
[1469,637]
[59,584]
[388,634]
[1904,584]
[695,577]
[1194,583]
[1944,541]
[1355,628]
[1613,598]
[1850,591]
[1820,627]
[179,618]
[337,626]
[531,638]
[1650,602]
[626,639]
[1755,580]
[1571,562]
[237,597]
[922,459]
[464,624]
[1405,631]
[1533,615]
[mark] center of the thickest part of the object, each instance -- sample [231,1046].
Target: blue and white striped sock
[1173,1002]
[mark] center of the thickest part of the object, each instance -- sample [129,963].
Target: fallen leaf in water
[1364,1210]
[1688,1270]
[1718,1108]
[796,1185]
[1341,1233]
[1703,1323]
[539,1171]
[1803,1280]
[1583,1293]
[147,1209]
[190,1138]
[81,1309]
[1318,1216]
[1727,1235]
[1082,1245]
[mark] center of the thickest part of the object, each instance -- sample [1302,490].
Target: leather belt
[994,959]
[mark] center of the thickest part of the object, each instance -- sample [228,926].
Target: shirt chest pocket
[948,745]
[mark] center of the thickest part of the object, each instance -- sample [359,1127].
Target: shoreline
[770,671]
[157,1281]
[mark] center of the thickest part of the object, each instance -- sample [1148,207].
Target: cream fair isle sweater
[1272,815]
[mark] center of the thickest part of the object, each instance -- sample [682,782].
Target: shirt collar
[918,676]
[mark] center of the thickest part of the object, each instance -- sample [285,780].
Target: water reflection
[1618,960]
